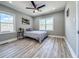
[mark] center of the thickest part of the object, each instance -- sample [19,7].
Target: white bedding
[38,35]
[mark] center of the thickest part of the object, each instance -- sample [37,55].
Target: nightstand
[20,33]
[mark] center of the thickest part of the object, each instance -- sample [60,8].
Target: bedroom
[38,29]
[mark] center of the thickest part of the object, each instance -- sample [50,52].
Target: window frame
[47,24]
[14,28]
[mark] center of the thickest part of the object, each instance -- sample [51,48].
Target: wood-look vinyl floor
[29,48]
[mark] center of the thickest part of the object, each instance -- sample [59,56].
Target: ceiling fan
[36,9]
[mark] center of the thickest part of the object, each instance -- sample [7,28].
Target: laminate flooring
[51,47]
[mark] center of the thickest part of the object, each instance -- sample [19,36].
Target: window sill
[6,32]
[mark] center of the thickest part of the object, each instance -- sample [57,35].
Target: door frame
[77,28]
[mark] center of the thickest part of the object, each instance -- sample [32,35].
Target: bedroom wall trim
[7,41]
[70,49]
[56,36]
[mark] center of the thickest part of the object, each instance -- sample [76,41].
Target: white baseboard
[56,36]
[70,49]
[9,40]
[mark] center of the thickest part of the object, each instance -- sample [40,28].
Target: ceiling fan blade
[29,8]
[33,4]
[40,6]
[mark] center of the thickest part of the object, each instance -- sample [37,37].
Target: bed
[38,35]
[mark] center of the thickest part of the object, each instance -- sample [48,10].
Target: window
[6,22]
[46,23]
[42,24]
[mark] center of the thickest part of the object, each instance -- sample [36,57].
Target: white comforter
[38,35]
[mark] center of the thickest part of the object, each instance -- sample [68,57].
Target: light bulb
[36,10]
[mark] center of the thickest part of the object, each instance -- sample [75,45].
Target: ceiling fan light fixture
[36,10]
[40,10]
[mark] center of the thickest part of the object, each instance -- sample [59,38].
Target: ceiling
[51,6]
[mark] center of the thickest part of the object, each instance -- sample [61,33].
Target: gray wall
[70,24]
[78,26]
[58,23]
[18,23]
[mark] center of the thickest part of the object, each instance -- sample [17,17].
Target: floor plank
[51,47]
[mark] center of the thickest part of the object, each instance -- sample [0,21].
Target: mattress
[38,35]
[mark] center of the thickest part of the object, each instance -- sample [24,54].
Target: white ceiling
[51,6]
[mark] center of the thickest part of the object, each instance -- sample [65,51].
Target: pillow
[29,29]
